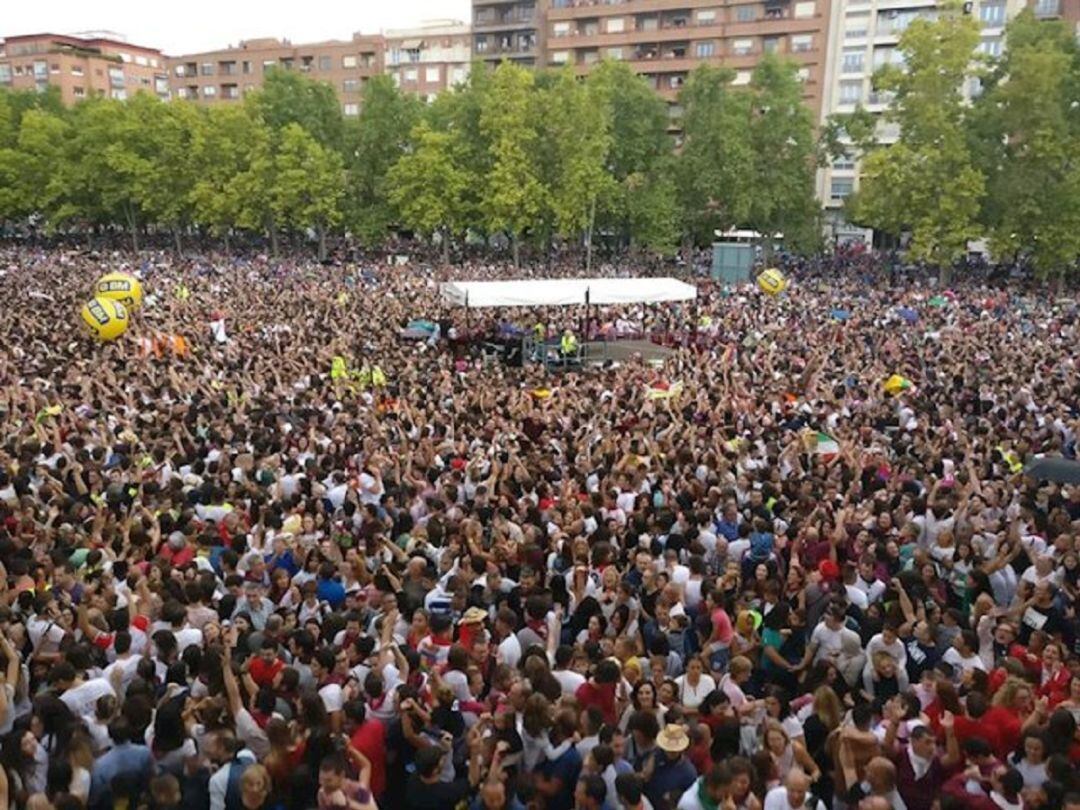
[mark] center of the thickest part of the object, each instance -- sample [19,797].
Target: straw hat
[673,739]
[473,615]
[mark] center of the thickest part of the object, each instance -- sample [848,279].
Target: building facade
[429,59]
[82,66]
[663,40]
[864,37]
[229,74]
[509,29]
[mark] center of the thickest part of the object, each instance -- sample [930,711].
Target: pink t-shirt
[722,629]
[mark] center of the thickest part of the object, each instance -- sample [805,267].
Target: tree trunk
[133,225]
[321,231]
[176,236]
[445,247]
[515,244]
[946,275]
[273,239]
[589,237]
[226,236]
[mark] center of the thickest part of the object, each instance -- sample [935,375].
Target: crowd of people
[745,578]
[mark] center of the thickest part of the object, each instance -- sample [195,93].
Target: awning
[555,292]
[410,44]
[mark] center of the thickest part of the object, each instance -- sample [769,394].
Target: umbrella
[1056,469]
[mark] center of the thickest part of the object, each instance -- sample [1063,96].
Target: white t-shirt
[332,697]
[952,656]
[777,799]
[827,641]
[82,699]
[568,680]
[186,637]
[510,650]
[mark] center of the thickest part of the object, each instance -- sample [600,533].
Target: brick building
[663,40]
[228,74]
[97,64]
[428,59]
[509,29]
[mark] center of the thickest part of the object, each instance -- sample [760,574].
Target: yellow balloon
[120,287]
[772,281]
[106,319]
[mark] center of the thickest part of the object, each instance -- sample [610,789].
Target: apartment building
[429,59]
[229,74]
[1066,10]
[863,38]
[509,29]
[81,66]
[663,40]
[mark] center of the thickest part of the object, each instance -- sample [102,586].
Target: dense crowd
[745,578]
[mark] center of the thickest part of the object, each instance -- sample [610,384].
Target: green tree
[784,149]
[1027,134]
[374,143]
[287,98]
[427,185]
[310,184]
[716,167]
[223,150]
[927,182]
[516,197]
[27,167]
[576,140]
[640,206]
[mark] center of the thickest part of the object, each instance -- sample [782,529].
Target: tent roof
[552,292]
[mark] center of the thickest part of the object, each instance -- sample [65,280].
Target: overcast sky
[199,25]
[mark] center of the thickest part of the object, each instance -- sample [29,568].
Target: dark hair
[595,788]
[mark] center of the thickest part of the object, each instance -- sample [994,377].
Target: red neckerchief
[538,626]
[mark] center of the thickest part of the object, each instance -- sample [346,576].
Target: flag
[895,384]
[827,447]
[662,390]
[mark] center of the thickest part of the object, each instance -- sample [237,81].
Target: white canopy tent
[550,292]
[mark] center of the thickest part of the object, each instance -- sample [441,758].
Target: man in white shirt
[794,794]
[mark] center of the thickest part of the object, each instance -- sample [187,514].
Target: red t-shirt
[1008,725]
[263,673]
[370,740]
[600,695]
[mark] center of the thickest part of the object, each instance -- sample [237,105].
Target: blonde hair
[1006,695]
[827,707]
[740,665]
[256,777]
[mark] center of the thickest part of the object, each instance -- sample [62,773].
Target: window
[560,29]
[76,70]
[990,47]
[458,75]
[268,65]
[675,82]
[741,77]
[326,63]
[856,26]
[850,92]
[350,85]
[41,71]
[5,73]
[705,50]
[616,25]
[119,95]
[482,45]
[230,91]
[352,109]
[852,61]
[888,56]
[209,91]
[179,70]
[560,57]
[116,77]
[803,74]
[79,92]
[432,74]
[154,62]
[770,44]
[1047,8]
[805,9]
[245,68]
[142,60]
[801,43]
[348,62]
[742,47]
[745,14]
[844,162]
[614,53]
[706,16]
[975,88]
[648,24]
[841,188]
[410,74]
[207,69]
[590,57]
[54,68]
